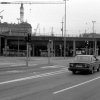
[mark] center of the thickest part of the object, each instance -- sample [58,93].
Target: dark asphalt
[45,87]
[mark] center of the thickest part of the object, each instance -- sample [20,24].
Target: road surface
[49,83]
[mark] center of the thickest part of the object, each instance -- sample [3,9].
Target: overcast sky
[80,14]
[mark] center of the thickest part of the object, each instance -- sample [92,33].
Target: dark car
[85,63]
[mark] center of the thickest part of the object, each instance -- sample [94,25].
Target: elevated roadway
[40,43]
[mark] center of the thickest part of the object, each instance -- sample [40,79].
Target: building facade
[11,47]
[20,29]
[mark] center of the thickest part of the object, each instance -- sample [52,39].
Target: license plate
[78,66]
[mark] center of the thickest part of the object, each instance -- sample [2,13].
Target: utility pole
[65,32]
[62,27]
[93,38]
[93,26]
[52,33]
[28,41]
[49,51]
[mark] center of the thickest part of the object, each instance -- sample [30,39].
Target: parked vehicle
[85,63]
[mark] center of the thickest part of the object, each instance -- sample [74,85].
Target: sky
[79,16]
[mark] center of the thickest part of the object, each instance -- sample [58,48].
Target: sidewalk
[14,63]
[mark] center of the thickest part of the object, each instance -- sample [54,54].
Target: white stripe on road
[22,64]
[14,71]
[16,64]
[74,86]
[10,72]
[6,63]
[32,77]
[55,66]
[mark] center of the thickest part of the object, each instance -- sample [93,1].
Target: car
[84,63]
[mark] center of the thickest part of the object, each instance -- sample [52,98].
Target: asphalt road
[49,83]
[54,85]
[12,87]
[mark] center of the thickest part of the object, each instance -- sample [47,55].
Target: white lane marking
[32,77]
[14,71]
[17,64]
[6,63]
[74,86]
[22,64]
[10,72]
[55,66]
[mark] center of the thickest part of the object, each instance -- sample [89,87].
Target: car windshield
[83,58]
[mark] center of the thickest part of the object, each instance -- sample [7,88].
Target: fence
[13,52]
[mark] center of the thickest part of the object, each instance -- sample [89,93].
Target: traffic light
[51,45]
[86,43]
[28,38]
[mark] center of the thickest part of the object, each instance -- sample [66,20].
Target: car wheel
[92,71]
[98,69]
[74,72]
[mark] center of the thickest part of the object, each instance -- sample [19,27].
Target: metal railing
[58,35]
[13,52]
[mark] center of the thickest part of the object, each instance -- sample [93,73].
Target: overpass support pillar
[95,48]
[6,48]
[74,48]
[5,43]
[0,46]
[54,50]
[33,50]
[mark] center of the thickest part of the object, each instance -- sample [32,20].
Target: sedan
[85,63]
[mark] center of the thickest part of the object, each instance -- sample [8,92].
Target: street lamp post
[65,32]
[93,37]
[62,27]
[93,26]
[49,52]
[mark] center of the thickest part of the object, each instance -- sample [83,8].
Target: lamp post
[93,26]
[49,52]
[28,41]
[65,32]
[62,27]
[93,38]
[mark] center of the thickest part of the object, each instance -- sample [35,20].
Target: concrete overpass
[39,44]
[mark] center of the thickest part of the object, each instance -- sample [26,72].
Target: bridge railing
[59,35]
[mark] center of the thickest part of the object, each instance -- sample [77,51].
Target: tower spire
[21,13]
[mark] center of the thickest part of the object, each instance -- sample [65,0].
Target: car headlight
[86,65]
